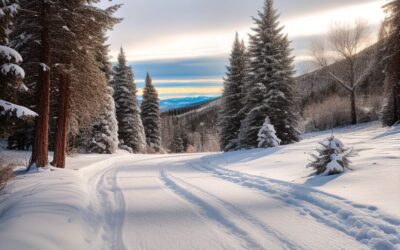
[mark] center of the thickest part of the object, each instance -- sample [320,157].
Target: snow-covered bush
[333,157]
[267,136]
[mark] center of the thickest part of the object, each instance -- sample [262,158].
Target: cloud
[183,42]
[159,29]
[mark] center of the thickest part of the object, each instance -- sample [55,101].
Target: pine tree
[267,136]
[102,138]
[11,74]
[151,115]
[391,110]
[255,117]
[333,157]
[130,127]
[271,65]
[177,142]
[233,95]
[71,32]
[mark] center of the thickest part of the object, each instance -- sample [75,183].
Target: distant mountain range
[176,103]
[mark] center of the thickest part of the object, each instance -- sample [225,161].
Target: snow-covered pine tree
[333,157]
[177,142]
[102,138]
[391,110]
[11,83]
[233,95]
[11,74]
[271,65]
[130,127]
[151,115]
[267,136]
[255,117]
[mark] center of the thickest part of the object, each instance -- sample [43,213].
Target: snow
[257,199]
[334,166]
[20,110]
[10,54]
[12,68]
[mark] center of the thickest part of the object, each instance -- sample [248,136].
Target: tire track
[286,243]
[360,222]
[112,205]
[210,211]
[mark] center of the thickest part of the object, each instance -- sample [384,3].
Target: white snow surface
[257,199]
[10,54]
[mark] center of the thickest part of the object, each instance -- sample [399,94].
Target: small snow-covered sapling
[332,158]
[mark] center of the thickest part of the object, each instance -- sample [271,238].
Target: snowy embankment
[258,199]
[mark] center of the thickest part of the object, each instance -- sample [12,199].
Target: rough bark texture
[40,152]
[60,149]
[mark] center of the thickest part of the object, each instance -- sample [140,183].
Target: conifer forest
[212,124]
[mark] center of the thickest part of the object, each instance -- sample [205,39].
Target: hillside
[226,200]
[325,104]
[196,124]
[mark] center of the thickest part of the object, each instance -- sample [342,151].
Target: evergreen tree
[11,74]
[391,110]
[255,117]
[267,136]
[67,35]
[130,128]
[271,65]
[233,95]
[102,138]
[151,115]
[332,158]
[177,142]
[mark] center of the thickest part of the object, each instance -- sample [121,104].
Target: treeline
[193,130]
[65,76]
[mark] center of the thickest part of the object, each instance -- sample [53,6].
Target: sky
[185,44]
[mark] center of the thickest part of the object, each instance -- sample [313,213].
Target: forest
[291,154]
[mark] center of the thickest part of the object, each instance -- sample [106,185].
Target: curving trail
[186,202]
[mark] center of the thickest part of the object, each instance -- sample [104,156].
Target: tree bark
[353,108]
[60,149]
[40,147]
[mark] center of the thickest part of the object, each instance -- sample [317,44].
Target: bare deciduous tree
[344,44]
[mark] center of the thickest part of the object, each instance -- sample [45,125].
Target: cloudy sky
[185,44]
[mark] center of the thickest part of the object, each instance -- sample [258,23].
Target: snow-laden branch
[21,112]
[10,54]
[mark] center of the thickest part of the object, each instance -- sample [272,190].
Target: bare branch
[337,79]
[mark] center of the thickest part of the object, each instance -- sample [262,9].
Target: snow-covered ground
[258,199]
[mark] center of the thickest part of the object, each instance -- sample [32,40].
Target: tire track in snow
[360,222]
[112,205]
[211,212]
[286,243]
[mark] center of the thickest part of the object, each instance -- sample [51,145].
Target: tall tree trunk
[40,148]
[353,107]
[60,149]
[396,100]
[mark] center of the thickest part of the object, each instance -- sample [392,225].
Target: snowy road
[175,202]
[258,199]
